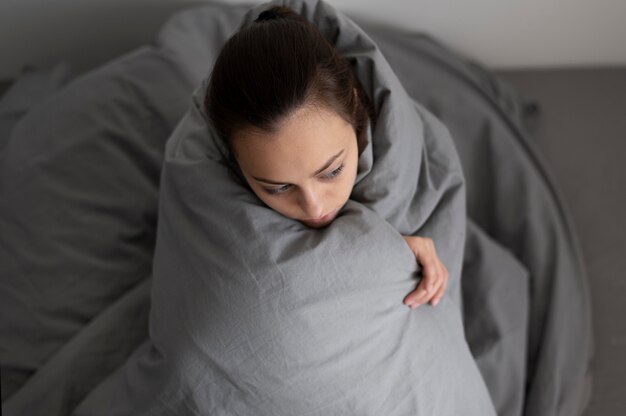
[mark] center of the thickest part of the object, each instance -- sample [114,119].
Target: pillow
[31,86]
[78,215]
[78,201]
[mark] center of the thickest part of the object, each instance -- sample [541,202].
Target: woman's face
[306,170]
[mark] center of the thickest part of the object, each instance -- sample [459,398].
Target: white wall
[499,33]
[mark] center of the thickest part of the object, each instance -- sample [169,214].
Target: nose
[311,202]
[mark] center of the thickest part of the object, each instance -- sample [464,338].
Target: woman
[251,311]
[295,119]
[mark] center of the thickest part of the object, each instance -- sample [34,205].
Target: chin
[317,225]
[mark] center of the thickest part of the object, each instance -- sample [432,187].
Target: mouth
[323,219]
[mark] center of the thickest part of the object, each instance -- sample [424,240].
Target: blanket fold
[255,313]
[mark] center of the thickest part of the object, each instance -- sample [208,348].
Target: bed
[66,347]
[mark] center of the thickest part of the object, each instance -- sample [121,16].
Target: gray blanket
[253,313]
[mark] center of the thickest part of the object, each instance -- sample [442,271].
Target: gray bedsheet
[316,323]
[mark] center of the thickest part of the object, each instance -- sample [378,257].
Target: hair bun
[271,14]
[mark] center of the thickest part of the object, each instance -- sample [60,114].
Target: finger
[420,295]
[431,275]
[437,298]
[440,293]
[442,273]
[416,296]
[428,296]
[432,268]
[432,253]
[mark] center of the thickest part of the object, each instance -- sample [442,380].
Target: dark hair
[274,66]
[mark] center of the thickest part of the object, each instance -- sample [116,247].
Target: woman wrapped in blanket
[294,117]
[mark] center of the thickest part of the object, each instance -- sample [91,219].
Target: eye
[335,172]
[279,190]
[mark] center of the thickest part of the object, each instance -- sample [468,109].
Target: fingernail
[435,302]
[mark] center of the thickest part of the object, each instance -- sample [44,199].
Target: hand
[435,275]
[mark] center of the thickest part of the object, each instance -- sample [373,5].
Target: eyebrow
[317,172]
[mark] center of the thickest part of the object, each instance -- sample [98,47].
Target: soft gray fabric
[511,196]
[255,313]
[32,86]
[78,204]
[495,285]
[78,214]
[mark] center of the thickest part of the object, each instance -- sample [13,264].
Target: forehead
[303,142]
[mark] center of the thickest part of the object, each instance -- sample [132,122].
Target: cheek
[351,177]
[282,204]
[345,188]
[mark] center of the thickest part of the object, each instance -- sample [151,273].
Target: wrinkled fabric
[255,313]
[521,278]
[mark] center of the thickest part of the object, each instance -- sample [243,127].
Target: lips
[323,218]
